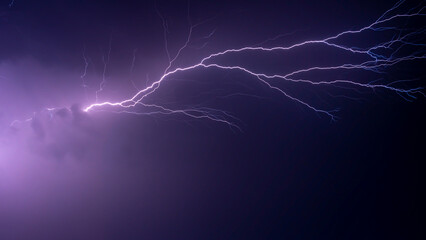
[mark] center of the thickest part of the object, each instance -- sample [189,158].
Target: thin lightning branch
[185,45]
[187,42]
[165,32]
[105,61]
[276,38]
[204,38]
[132,67]
[147,79]
[86,64]
[210,34]
[83,76]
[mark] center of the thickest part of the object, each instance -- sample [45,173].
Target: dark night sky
[289,174]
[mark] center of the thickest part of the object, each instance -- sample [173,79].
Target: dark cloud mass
[287,173]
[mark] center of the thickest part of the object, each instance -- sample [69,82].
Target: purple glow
[178,120]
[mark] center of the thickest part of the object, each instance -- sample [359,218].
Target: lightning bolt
[377,62]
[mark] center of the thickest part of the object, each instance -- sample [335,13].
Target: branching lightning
[377,62]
